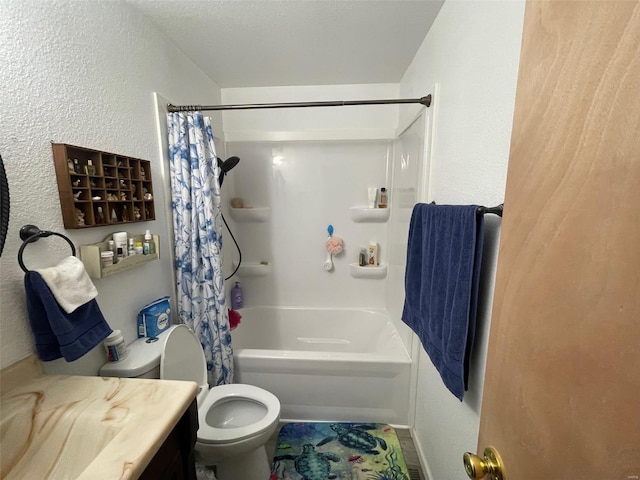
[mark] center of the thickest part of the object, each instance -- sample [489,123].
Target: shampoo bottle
[237,298]
[372,259]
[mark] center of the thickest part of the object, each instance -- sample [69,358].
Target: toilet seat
[182,358]
[217,395]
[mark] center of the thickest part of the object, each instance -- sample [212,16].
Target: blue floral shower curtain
[197,229]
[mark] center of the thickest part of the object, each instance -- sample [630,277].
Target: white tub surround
[325,364]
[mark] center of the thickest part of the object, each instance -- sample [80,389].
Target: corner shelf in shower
[254,214]
[253,269]
[357,271]
[365,214]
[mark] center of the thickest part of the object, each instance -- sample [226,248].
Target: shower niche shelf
[357,271]
[365,214]
[253,214]
[253,269]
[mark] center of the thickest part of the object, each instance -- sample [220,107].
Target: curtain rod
[426,101]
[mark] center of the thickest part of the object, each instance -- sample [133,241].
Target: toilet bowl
[235,421]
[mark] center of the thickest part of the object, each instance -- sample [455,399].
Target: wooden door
[562,389]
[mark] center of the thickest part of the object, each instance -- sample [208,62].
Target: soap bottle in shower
[362,258]
[237,297]
[383,198]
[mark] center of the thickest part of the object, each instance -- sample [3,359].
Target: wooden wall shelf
[90,256]
[99,188]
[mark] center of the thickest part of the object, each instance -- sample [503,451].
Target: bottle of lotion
[237,297]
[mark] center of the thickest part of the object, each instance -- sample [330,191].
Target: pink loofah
[334,245]
[234,319]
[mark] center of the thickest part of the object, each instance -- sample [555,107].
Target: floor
[406,442]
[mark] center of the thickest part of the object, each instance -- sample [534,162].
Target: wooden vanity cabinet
[99,188]
[175,460]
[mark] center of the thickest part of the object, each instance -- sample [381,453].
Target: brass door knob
[491,465]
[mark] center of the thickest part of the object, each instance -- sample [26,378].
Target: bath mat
[341,451]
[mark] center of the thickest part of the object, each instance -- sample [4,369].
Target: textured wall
[472,53]
[81,73]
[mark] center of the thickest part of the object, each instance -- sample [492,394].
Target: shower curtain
[197,229]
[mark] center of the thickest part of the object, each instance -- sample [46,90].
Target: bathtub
[325,364]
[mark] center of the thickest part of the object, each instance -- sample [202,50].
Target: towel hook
[30,234]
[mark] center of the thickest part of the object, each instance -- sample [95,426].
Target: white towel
[69,283]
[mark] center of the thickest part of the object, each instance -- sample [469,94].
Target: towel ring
[30,234]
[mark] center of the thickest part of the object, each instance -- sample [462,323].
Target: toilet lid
[182,357]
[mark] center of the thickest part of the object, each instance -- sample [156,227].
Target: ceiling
[251,43]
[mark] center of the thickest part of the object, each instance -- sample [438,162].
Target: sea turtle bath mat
[342,451]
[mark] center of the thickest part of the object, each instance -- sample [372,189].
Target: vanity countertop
[84,428]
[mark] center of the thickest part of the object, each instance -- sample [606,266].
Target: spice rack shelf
[90,256]
[365,214]
[379,271]
[99,188]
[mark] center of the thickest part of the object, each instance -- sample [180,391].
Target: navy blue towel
[58,333]
[444,256]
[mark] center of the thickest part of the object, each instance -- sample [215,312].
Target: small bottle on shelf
[106,259]
[76,166]
[383,198]
[362,258]
[149,245]
[130,248]
[373,255]
[112,248]
[125,214]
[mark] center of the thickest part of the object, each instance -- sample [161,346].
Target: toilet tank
[142,360]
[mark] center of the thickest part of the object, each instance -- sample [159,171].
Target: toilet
[235,421]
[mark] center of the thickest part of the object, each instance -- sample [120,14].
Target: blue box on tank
[154,318]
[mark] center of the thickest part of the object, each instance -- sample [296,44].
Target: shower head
[225,166]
